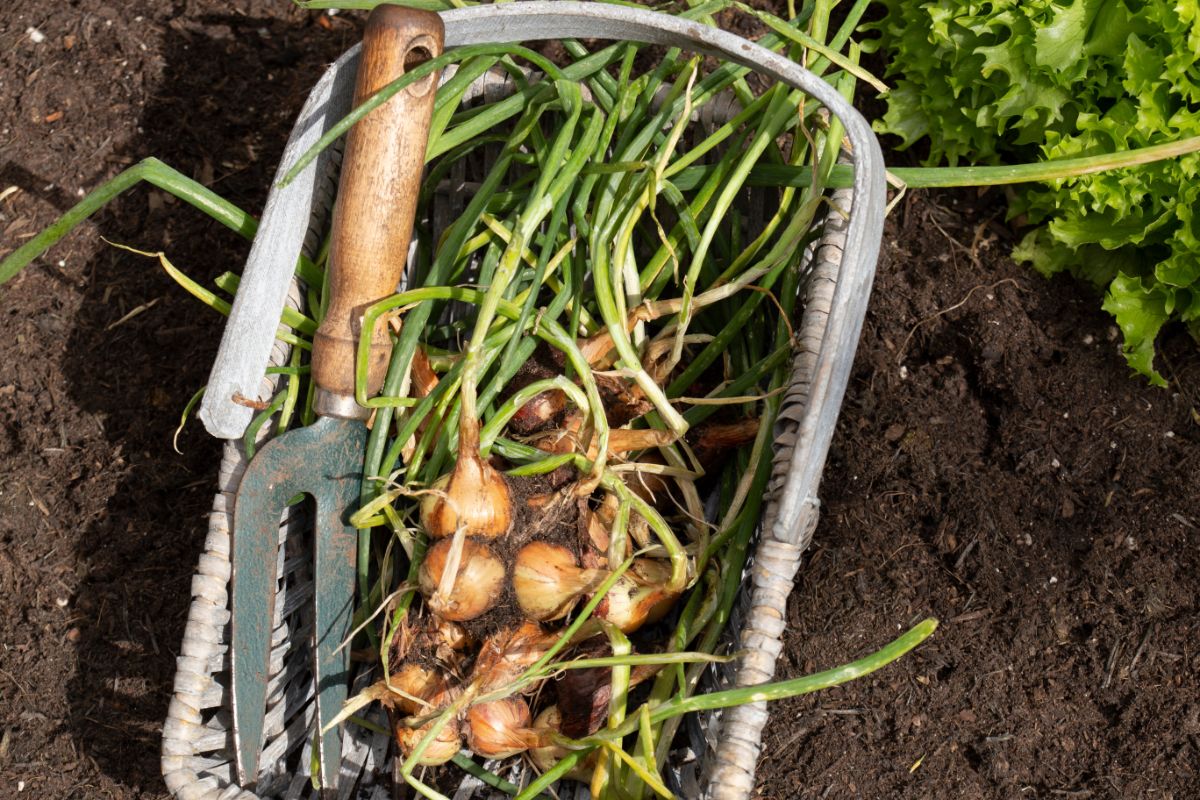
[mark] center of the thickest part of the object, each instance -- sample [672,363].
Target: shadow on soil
[229,93]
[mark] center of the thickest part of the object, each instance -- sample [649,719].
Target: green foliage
[1002,80]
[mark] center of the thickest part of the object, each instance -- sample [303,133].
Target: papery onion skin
[449,739]
[548,581]
[476,588]
[499,728]
[440,750]
[583,699]
[598,537]
[417,682]
[539,412]
[452,635]
[506,654]
[639,597]
[474,495]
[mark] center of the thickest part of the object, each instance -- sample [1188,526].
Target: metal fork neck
[341,406]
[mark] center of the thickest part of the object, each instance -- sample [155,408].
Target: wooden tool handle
[377,199]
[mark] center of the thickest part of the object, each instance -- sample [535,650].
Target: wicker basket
[197,755]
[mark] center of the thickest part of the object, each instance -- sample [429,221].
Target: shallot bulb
[506,654]
[448,741]
[413,686]
[546,754]
[443,748]
[499,728]
[474,587]
[639,597]
[474,496]
[539,412]
[547,580]
[583,699]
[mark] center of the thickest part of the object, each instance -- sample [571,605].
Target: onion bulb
[443,748]
[583,699]
[474,496]
[413,685]
[539,412]
[639,597]
[547,754]
[448,741]
[499,728]
[475,586]
[508,653]
[547,580]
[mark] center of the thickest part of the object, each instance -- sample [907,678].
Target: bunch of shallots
[510,558]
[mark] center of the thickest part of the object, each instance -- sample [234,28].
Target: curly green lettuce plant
[1015,80]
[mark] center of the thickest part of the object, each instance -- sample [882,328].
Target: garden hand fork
[372,228]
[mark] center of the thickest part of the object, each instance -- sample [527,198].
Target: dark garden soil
[995,464]
[997,467]
[101,522]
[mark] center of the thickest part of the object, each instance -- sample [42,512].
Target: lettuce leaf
[992,81]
